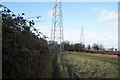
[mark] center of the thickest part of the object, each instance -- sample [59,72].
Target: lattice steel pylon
[82,36]
[57,25]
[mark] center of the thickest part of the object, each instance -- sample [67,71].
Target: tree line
[81,47]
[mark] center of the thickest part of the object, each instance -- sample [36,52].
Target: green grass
[93,65]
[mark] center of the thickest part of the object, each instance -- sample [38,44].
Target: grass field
[93,65]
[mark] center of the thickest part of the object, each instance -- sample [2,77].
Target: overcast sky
[99,20]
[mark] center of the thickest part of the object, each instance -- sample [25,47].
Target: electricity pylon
[82,36]
[57,25]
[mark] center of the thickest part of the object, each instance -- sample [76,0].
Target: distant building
[112,49]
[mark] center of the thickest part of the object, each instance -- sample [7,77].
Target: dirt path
[55,68]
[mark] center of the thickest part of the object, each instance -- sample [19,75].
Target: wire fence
[72,73]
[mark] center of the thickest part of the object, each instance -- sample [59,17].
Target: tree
[88,47]
[18,42]
[66,45]
[101,47]
[79,47]
[95,46]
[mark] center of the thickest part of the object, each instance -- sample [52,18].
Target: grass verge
[93,65]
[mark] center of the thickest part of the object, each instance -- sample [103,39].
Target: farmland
[93,65]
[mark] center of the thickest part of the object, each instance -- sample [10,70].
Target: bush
[18,43]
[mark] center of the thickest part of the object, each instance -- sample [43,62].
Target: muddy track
[55,68]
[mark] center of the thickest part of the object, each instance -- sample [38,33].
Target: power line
[7,10]
[34,17]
